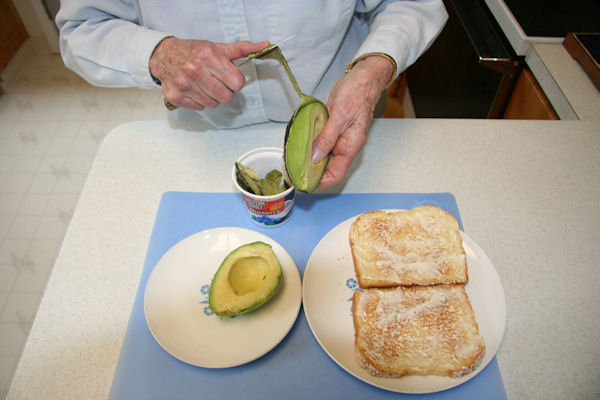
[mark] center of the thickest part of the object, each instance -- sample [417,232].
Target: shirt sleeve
[402,29]
[103,42]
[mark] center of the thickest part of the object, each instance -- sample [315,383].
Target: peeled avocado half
[246,279]
[306,124]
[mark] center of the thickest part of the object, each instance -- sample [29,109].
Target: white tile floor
[51,124]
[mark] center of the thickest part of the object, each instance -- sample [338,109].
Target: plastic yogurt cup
[266,211]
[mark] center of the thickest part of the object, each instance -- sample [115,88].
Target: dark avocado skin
[242,182]
[247,183]
[287,131]
[285,139]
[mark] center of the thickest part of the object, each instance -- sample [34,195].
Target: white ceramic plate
[330,281]
[177,311]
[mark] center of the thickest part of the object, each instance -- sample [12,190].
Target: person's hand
[351,104]
[196,73]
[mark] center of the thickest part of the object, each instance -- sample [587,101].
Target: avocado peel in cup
[249,180]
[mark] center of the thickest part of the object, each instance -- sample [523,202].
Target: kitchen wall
[41,28]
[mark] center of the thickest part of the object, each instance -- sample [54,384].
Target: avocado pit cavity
[246,279]
[247,274]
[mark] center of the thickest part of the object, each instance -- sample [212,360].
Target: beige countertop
[569,89]
[528,194]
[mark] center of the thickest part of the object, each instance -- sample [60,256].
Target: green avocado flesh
[305,126]
[250,181]
[246,279]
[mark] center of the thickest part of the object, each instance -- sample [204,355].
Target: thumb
[325,142]
[242,49]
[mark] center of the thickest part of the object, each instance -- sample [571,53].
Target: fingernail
[317,155]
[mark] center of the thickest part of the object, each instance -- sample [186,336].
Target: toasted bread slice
[417,330]
[421,246]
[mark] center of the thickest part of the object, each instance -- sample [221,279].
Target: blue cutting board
[297,368]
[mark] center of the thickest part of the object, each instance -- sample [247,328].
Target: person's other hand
[196,73]
[351,104]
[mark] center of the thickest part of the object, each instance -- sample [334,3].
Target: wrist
[155,62]
[381,65]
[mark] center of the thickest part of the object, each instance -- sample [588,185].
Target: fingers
[207,78]
[347,147]
[337,168]
[222,73]
[242,49]
[327,139]
[187,94]
[351,105]
[212,84]
[199,74]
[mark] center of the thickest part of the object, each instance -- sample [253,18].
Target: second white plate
[177,311]
[330,281]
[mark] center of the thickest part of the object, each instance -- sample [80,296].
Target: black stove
[555,18]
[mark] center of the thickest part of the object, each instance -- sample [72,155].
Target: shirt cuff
[140,49]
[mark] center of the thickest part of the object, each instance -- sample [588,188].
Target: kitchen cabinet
[396,99]
[12,33]
[528,100]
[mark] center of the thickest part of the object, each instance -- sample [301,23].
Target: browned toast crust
[418,330]
[415,247]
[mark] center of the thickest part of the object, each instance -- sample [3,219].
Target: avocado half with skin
[306,124]
[246,279]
